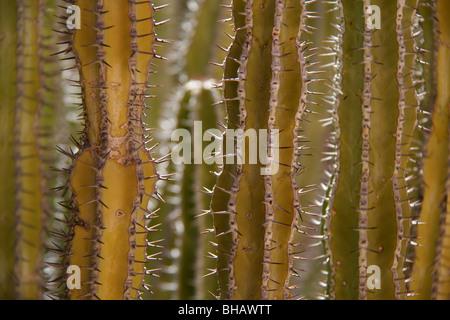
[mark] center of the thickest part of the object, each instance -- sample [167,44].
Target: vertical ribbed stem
[283,209]
[370,230]
[113,175]
[8,38]
[322,38]
[443,271]
[31,157]
[431,234]
[344,214]
[255,204]
[221,196]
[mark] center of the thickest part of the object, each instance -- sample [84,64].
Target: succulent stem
[113,175]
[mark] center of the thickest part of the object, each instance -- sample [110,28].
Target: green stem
[8,38]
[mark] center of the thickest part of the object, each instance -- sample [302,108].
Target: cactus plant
[332,180]
[324,38]
[30,98]
[430,272]
[373,228]
[262,90]
[371,216]
[371,204]
[196,108]
[184,230]
[107,239]
[8,36]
